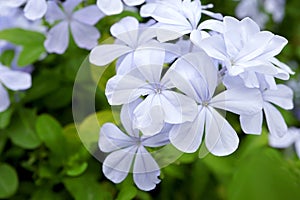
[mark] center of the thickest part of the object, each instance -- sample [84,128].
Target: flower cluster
[177,74]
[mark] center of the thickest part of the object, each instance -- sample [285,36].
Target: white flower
[292,136]
[128,151]
[244,49]
[131,37]
[161,104]
[176,17]
[196,76]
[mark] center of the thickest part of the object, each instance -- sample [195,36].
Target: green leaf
[127,192]
[46,194]
[8,181]
[264,175]
[5,117]
[3,139]
[22,131]
[51,133]
[31,41]
[86,187]
[78,169]
[46,83]
[7,57]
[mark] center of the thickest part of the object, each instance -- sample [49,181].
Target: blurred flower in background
[259,10]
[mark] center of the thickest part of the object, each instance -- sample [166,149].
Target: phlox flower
[80,23]
[13,80]
[292,136]
[33,10]
[196,76]
[131,37]
[244,49]
[128,151]
[161,104]
[112,7]
[176,17]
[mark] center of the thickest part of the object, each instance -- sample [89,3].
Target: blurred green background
[42,157]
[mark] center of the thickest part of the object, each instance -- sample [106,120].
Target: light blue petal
[112,139]
[85,36]
[145,170]
[117,164]
[127,117]
[158,140]
[252,124]
[177,107]
[291,136]
[89,15]
[149,115]
[107,53]
[282,97]
[275,120]
[35,9]
[239,100]
[4,99]
[110,7]
[220,138]
[54,12]
[57,38]
[126,30]
[15,80]
[187,137]
[70,5]
[125,89]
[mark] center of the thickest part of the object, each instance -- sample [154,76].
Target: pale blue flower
[33,10]
[196,76]
[292,136]
[128,151]
[259,10]
[81,24]
[176,17]
[245,50]
[13,80]
[131,37]
[161,104]
[112,7]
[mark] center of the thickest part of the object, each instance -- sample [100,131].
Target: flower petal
[35,9]
[133,2]
[282,97]
[291,136]
[158,140]
[149,116]
[126,30]
[111,138]
[110,7]
[124,89]
[15,80]
[220,138]
[252,124]
[239,100]
[275,121]
[54,12]
[145,170]
[127,117]
[57,38]
[187,137]
[89,15]
[70,5]
[177,107]
[85,36]
[105,54]
[117,164]
[4,99]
